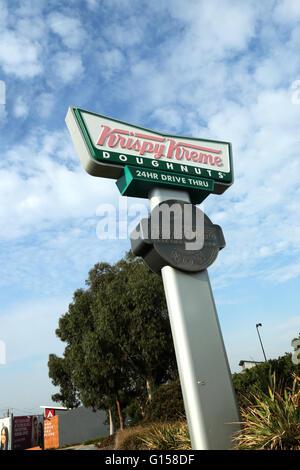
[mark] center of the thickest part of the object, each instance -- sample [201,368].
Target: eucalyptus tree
[118,340]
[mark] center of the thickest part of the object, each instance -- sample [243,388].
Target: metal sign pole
[204,372]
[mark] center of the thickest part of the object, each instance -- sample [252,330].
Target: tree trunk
[111,423]
[141,406]
[149,388]
[120,413]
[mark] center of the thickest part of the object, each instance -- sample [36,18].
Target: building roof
[252,362]
[51,407]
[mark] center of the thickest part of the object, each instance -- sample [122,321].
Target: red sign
[49,413]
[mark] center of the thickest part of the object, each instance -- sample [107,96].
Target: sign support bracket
[205,377]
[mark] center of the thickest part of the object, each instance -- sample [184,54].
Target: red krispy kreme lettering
[204,157]
[158,150]
[173,146]
[106,133]
[193,146]
[136,146]
[150,137]
[149,144]
[194,156]
[147,147]
[218,161]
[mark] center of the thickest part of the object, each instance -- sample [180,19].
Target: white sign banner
[6,433]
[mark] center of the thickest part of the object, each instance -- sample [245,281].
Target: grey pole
[205,377]
[257,325]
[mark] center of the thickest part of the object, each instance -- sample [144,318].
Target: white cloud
[32,28]
[169,117]
[44,185]
[45,103]
[68,29]
[214,27]
[67,66]
[293,322]
[110,62]
[287,11]
[21,107]
[29,8]
[127,34]
[4,14]
[284,273]
[93,4]
[266,74]
[3,113]
[19,56]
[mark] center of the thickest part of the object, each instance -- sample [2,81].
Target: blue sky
[218,69]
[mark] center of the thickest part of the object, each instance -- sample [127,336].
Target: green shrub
[254,380]
[155,436]
[133,413]
[167,436]
[272,420]
[166,403]
[108,441]
[95,440]
[130,438]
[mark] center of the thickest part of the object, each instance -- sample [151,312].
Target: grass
[105,442]
[169,436]
[155,436]
[94,441]
[273,422]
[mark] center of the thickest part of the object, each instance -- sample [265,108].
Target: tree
[119,343]
[257,379]
[91,366]
[61,372]
[136,322]
[167,403]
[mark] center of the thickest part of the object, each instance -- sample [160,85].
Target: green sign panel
[106,146]
[137,182]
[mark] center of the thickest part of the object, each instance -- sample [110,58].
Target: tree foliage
[256,379]
[119,345]
[167,403]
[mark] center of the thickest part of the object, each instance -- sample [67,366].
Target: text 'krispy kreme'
[158,147]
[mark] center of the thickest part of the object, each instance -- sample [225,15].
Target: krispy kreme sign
[106,145]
